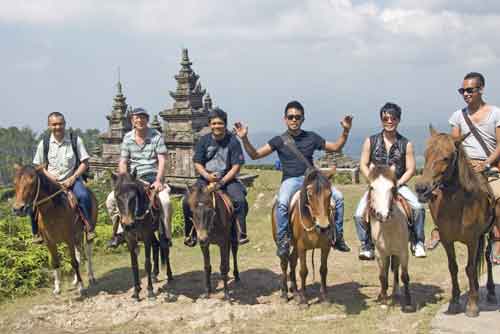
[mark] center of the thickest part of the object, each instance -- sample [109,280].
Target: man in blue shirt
[294,168]
[218,158]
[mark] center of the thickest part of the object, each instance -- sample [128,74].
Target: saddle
[228,203]
[73,204]
[407,210]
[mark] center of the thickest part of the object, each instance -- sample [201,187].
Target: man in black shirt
[294,168]
[218,158]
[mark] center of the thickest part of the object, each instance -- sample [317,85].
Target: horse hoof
[491,299]
[454,308]
[237,278]
[56,292]
[472,313]
[92,281]
[408,308]
[135,296]
[206,295]
[382,299]
[170,278]
[155,279]
[324,301]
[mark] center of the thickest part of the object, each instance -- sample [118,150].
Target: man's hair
[217,113]
[476,75]
[56,114]
[294,105]
[392,109]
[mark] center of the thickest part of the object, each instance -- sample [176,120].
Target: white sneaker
[366,254]
[419,250]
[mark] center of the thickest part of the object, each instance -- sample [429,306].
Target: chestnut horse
[139,223]
[214,224]
[310,223]
[57,220]
[389,230]
[462,209]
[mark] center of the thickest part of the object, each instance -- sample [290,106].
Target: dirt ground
[255,306]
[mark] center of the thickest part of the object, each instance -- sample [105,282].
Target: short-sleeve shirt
[486,129]
[143,158]
[61,158]
[307,142]
[218,156]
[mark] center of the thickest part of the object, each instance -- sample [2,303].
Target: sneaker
[190,241]
[341,245]
[37,239]
[419,250]
[243,239]
[366,254]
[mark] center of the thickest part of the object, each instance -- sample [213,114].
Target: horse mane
[315,178]
[47,185]
[382,170]
[126,182]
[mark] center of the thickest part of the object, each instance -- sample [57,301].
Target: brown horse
[310,222]
[213,222]
[389,229]
[57,220]
[461,208]
[139,223]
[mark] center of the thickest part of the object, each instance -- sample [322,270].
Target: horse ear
[432,130]
[17,167]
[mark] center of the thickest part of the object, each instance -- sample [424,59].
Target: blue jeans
[289,187]
[418,212]
[82,194]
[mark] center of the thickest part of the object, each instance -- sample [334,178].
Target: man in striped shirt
[143,150]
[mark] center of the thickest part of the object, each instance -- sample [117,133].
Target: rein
[307,229]
[446,175]
[37,202]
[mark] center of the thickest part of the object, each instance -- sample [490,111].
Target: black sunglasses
[294,117]
[469,90]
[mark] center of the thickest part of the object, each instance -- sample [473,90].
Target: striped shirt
[143,158]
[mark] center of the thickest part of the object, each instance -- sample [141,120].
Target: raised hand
[346,123]
[240,130]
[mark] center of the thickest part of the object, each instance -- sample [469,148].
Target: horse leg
[78,258]
[90,269]
[156,257]
[472,308]
[406,304]
[284,278]
[75,264]
[234,250]
[383,266]
[293,275]
[323,270]
[166,254]
[224,266]
[132,244]
[490,284]
[395,272]
[454,306]
[55,264]
[208,270]
[147,265]
[303,276]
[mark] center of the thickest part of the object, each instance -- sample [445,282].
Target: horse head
[130,198]
[202,204]
[441,161]
[382,191]
[315,199]
[27,187]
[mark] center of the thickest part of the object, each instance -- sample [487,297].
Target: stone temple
[183,123]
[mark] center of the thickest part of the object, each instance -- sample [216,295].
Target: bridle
[372,211]
[314,226]
[446,175]
[37,203]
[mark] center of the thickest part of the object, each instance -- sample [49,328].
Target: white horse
[389,231]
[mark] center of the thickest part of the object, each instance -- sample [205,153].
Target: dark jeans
[236,192]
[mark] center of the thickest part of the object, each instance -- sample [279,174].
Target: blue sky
[337,57]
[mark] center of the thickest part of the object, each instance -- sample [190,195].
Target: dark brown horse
[139,222]
[57,220]
[310,222]
[389,230]
[213,221]
[462,209]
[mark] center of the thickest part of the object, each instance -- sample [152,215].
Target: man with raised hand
[307,142]
[143,150]
[65,160]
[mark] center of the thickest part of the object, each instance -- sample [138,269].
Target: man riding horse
[65,160]
[143,150]
[482,147]
[389,147]
[294,168]
[218,159]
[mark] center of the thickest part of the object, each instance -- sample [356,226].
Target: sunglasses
[386,119]
[294,117]
[469,90]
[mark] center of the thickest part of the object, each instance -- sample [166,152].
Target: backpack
[73,138]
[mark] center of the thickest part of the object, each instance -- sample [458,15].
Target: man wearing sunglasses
[390,148]
[294,168]
[483,152]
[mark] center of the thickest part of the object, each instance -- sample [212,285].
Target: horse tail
[479,255]
[392,263]
[312,264]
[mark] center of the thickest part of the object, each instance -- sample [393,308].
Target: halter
[310,228]
[446,175]
[35,203]
[372,210]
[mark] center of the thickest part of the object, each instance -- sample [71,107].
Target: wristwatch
[487,166]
